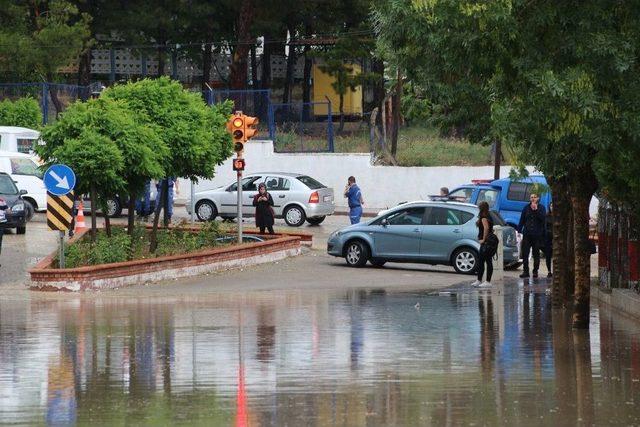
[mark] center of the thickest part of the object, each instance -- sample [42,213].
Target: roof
[294,175]
[4,153]
[436,202]
[18,130]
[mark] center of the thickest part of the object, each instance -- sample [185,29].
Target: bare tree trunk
[131,214]
[94,224]
[497,159]
[107,221]
[165,206]
[265,78]
[161,61]
[206,65]
[341,110]
[291,63]
[84,68]
[306,85]
[239,61]
[395,126]
[561,223]
[254,68]
[582,189]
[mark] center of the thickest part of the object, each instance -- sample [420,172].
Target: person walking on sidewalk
[354,196]
[532,226]
[264,209]
[487,250]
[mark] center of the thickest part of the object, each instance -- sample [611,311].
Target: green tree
[194,133]
[24,112]
[38,37]
[141,151]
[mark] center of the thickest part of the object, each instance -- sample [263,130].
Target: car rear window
[7,186]
[310,182]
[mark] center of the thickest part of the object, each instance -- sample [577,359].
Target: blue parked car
[428,232]
[503,195]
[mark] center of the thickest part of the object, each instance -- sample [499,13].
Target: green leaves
[24,112]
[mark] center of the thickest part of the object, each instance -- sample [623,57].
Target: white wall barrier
[382,186]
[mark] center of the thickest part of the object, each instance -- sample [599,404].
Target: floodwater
[307,358]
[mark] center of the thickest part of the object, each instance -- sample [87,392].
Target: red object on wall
[633,261]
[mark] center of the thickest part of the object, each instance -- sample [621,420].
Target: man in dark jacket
[532,227]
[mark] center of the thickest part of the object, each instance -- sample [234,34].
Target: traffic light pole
[239,207]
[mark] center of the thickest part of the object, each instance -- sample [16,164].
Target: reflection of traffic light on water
[61,393]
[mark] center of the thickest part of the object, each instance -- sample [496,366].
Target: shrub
[23,112]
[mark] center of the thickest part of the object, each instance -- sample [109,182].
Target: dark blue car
[504,195]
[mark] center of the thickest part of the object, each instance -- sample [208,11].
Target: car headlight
[335,234]
[18,207]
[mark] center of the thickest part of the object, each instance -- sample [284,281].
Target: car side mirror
[23,192]
[384,222]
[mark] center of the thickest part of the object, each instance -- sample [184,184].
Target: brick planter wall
[110,276]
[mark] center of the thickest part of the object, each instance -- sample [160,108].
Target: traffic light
[235,126]
[242,128]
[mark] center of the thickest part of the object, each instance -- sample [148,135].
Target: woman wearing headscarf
[264,209]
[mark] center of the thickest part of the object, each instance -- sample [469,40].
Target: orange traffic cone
[80,225]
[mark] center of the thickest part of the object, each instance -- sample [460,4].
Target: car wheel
[465,260]
[294,216]
[356,254]
[206,210]
[29,210]
[114,209]
[379,263]
[21,230]
[316,220]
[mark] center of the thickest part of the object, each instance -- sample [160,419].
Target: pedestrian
[3,220]
[354,197]
[548,240]
[171,182]
[264,209]
[488,246]
[143,204]
[444,192]
[532,227]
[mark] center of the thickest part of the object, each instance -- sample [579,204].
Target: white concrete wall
[382,186]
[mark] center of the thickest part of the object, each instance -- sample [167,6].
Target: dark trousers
[487,259]
[268,227]
[548,254]
[531,243]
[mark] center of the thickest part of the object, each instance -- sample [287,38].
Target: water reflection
[341,358]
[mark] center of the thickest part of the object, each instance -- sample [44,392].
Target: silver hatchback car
[421,232]
[297,198]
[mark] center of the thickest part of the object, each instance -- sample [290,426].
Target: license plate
[327,198]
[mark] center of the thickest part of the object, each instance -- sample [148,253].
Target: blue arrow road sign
[59,179]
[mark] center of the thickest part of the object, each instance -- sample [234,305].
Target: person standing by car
[487,250]
[264,209]
[532,227]
[354,196]
[3,220]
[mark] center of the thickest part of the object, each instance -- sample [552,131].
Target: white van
[27,175]
[18,140]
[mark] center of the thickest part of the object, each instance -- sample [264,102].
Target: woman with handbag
[488,246]
[264,209]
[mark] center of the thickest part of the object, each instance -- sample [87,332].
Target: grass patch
[417,146]
[122,247]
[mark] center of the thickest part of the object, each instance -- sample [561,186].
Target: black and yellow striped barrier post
[60,217]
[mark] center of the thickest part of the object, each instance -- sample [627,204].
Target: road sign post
[239,207]
[60,181]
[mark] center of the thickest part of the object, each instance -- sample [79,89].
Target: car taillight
[314,198]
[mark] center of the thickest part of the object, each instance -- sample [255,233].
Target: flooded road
[337,358]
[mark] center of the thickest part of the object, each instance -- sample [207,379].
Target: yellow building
[322,90]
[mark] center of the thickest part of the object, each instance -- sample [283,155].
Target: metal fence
[53,98]
[303,127]
[251,102]
[618,247]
